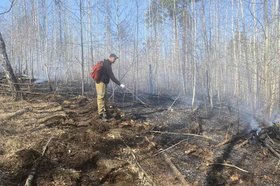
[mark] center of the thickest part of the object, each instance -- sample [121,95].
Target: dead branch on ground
[190,151]
[31,175]
[170,107]
[57,116]
[17,113]
[195,109]
[106,176]
[139,169]
[272,150]
[161,151]
[184,134]
[50,110]
[46,106]
[229,165]
[176,172]
[144,104]
[244,142]
[226,141]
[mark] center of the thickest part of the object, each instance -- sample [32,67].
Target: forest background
[226,50]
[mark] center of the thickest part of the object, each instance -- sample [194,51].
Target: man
[101,86]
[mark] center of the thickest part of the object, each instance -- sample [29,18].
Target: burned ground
[142,145]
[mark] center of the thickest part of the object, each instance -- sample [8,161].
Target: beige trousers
[101,97]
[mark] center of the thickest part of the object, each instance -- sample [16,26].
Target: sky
[128,8]
[127,15]
[4,5]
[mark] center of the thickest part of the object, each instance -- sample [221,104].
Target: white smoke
[275,118]
[254,125]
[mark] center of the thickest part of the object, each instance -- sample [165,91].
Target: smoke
[38,81]
[257,124]
[275,118]
[253,123]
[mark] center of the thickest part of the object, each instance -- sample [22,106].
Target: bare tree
[82,47]
[10,76]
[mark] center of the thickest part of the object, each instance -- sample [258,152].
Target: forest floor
[66,144]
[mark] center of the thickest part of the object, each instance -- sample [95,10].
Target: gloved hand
[122,85]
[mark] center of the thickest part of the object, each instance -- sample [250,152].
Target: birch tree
[9,73]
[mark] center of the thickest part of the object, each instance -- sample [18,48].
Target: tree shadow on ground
[215,174]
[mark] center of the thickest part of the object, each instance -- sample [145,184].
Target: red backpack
[96,71]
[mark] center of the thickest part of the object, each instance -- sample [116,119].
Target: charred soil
[151,145]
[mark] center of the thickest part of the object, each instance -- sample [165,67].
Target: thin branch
[136,96]
[11,6]
[262,27]
[229,165]
[161,151]
[170,108]
[185,134]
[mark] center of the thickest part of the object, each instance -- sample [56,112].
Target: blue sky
[127,13]
[4,5]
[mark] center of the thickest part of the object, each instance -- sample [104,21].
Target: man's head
[113,58]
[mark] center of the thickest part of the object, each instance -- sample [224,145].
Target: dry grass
[70,158]
[16,133]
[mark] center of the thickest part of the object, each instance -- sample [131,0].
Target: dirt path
[141,146]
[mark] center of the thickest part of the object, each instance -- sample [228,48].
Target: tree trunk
[9,73]
[266,56]
[82,47]
[184,51]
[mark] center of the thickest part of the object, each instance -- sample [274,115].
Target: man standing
[101,86]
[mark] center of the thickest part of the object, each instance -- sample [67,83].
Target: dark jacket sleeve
[111,74]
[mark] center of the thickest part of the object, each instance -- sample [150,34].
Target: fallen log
[244,142]
[269,137]
[174,169]
[272,150]
[177,173]
[226,141]
[37,162]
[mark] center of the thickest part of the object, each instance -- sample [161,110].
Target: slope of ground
[151,145]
